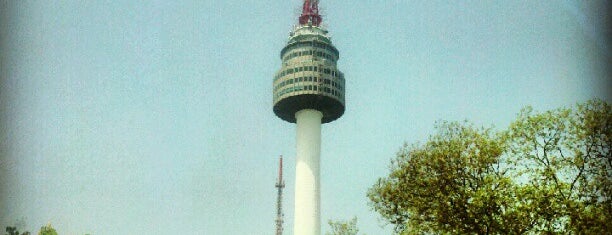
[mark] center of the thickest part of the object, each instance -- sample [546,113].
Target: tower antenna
[310,13]
[280,184]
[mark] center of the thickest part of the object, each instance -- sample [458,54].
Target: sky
[155,117]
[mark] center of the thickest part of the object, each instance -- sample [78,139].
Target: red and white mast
[310,13]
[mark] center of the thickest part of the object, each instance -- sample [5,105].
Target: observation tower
[308,90]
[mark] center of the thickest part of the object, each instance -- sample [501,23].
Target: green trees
[549,172]
[343,227]
[13,231]
[44,230]
[47,230]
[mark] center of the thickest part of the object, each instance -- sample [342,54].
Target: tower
[280,184]
[308,91]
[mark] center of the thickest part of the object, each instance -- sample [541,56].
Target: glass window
[315,68]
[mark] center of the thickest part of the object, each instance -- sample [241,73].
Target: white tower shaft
[307,185]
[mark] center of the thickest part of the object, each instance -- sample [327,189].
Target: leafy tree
[548,173]
[565,154]
[13,231]
[47,230]
[343,227]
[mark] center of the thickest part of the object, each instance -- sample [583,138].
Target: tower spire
[310,13]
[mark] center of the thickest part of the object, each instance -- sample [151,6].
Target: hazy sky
[155,117]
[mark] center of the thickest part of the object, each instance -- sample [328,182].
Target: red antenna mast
[310,13]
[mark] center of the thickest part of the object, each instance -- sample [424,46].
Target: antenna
[310,13]
[280,184]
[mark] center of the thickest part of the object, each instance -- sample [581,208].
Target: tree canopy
[47,230]
[549,172]
[343,227]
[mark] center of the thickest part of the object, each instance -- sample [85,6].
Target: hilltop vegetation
[548,172]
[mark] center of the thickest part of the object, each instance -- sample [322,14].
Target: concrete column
[307,188]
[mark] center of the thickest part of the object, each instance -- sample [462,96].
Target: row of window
[332,72]
[309,79]
[304,53]
[315,44]
[309,88]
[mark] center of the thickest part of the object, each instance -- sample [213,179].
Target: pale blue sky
[155,117]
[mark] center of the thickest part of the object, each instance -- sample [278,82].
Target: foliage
[549,172]
[47,230]
[343,227]
[13,231]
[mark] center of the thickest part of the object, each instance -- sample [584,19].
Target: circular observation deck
[309,78]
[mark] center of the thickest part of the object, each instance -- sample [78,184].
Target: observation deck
[309,77]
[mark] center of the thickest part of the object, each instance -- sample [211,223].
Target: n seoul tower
[308,91]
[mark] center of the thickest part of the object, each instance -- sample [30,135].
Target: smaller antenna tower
[280,184]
